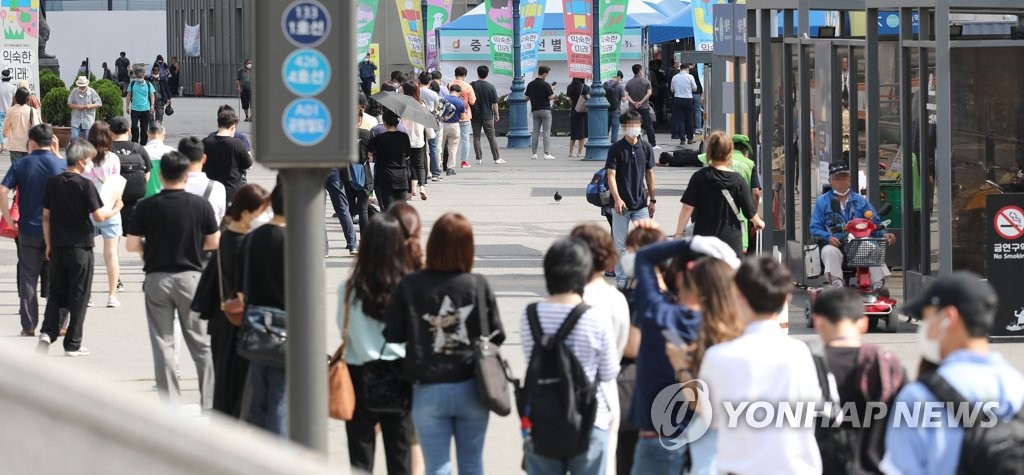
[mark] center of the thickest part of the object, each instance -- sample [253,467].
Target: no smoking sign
[1009,223]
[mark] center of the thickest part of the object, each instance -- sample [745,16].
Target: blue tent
[679,25]
[640,14]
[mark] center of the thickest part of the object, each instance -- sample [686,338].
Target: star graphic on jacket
[447,316]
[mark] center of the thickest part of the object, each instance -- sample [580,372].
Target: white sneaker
[837,284]
[548,156]
[83,351]
[479,162]
[500,161]
[533,157]
[113,302]
[43,347]
[656,147]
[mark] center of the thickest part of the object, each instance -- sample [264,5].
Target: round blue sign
[893,20]
[306,122]
[306,72]
[306,23]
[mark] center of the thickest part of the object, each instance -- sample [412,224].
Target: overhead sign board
[730,32]
[299,104]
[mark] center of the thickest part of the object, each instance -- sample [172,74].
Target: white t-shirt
[602,295]
[98,174]
[683,85]
[196,184]
[156,149]
[7,91]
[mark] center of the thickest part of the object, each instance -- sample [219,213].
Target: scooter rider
[824,221]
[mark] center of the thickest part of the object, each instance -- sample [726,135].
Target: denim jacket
[822,217]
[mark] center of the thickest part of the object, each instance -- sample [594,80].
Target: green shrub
[113,103]
[55,107]
[48,81]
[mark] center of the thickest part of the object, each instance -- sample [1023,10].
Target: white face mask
[841,193]
[632,131]
[628,261]
[930,349]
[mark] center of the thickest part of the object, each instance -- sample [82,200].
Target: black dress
[229,368]
[577,120]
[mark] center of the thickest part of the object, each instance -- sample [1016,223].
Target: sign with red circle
[1009,223]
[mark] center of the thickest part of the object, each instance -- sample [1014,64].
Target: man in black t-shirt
[629,166]
[540,94]
[171,231]
[135,168]
[485,114]
[69,201]
[226,157]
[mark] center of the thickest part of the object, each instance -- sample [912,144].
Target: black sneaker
[450,172]
[120,285]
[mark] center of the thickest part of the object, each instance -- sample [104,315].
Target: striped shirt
[590,340]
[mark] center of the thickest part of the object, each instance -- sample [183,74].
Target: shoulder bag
[5,230]
[581,104]
[263,336]
[342,394]
[492,371]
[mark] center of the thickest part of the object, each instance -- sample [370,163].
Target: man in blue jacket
[823,220]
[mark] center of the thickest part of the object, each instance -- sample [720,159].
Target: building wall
[226,40]
[100,36]
[388,33]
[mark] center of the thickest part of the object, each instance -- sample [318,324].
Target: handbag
[341,393]
[263,337]
[386,391]
[5,230]
[492,371]
[581,104]
[234,307]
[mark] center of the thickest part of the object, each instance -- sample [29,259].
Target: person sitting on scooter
[824,221]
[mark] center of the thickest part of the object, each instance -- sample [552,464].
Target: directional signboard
[300,106]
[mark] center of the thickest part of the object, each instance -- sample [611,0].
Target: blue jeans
[652,457]
[591,462]
[443,410]
[620,228]
[465,130]
[698,113]
[435,163]
[3,117]
[704,454]
[77,132]
[613,124]
[336,190]
[268,407]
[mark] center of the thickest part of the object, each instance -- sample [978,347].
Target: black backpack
[995,450]
[557,399]
[835,442]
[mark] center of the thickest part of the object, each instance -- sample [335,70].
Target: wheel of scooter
[892,322]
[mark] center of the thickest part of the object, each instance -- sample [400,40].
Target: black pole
[423,20]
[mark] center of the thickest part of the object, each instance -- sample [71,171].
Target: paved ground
[514,217]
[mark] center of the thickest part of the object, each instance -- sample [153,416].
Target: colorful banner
[192,41]
[499,34]
[579,30]
[412,31]
[531,17]
[439,13]
[374,52]
[704,25]
[366,17]
[19,46]
[613,25]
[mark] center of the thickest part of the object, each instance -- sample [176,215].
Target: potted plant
[110,95]
[560,115]
[501,127]
[56,113]
[47,81]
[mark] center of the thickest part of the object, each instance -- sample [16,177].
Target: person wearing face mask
[824,221]
[630,169]
[243,84]
[958,312]
[83,102]
[141,101]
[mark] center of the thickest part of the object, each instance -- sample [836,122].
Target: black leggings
[417,171]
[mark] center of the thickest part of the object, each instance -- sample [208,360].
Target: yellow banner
[412,31]
[374,53]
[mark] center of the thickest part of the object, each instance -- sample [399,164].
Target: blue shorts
[110,228]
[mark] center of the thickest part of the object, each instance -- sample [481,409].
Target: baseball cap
[740,139]
[837,167]
[974,298]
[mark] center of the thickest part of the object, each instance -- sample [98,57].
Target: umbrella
[407,108]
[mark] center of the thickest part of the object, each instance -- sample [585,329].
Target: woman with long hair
[105,165]
[715,197]
[440,312]
[577,91]
[418,137]
[411,228]
[229,368]
[711,281]
[381,263]
[390,151]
